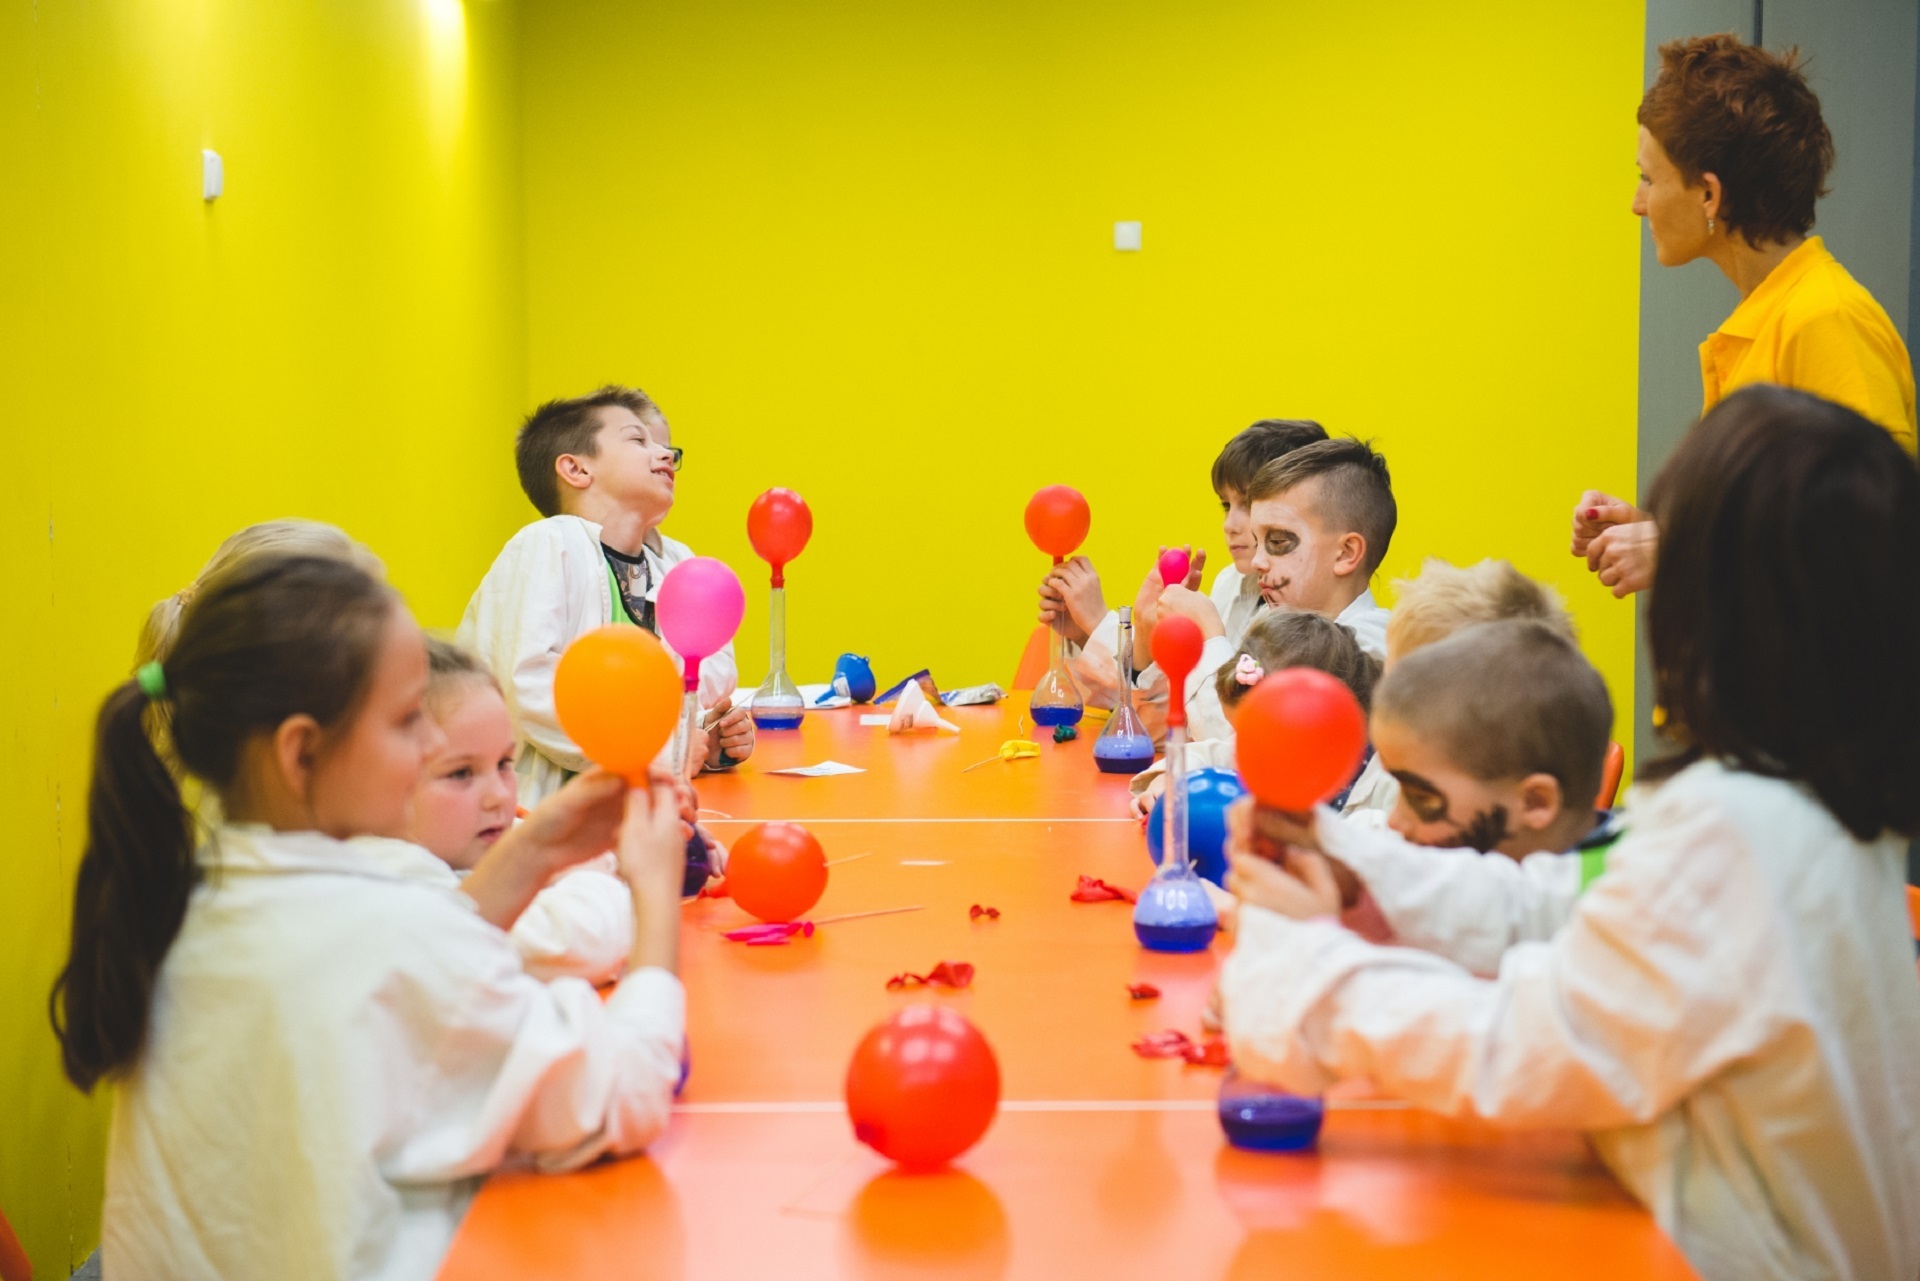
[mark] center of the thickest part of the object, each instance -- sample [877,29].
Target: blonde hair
[448,667]
[290,537]
[1446,598]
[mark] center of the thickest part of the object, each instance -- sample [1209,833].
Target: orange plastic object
[777,871]
[1610,776]
[14,1263]
[617,693]
[1033,662]
[1100,1163]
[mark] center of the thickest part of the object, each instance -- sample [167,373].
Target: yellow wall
[338,337]
[865,250]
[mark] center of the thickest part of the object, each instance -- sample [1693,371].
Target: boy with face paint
[1320,519]
[1498,737]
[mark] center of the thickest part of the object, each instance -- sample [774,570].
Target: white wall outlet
[1126,237]
[213,175]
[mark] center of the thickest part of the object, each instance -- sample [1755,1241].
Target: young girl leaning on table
[1730,1009]
[316,1052]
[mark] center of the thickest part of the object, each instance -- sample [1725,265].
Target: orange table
[1101,1163]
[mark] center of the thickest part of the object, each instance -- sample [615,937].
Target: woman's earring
[1709,224]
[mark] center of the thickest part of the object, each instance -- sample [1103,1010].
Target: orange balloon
[777,871]
[617,692]
[1058,519]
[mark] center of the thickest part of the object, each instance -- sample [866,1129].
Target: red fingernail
[1593,513]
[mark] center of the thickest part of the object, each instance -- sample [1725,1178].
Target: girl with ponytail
[315,1047]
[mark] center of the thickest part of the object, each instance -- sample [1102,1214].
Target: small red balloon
[1177,643]
[1173,566]
[1057,520]
[779,524]
[777,871]
[923,1087]
[1301,735]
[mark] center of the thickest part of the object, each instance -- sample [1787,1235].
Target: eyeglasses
[676,454]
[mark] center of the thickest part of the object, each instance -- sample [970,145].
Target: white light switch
[213,175]
[1126,237]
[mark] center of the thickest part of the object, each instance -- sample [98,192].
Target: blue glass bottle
[1261,1119]
[777,704]
[1124,747]
[1173,913]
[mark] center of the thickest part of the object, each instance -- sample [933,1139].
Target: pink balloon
[1174,563]
[699,607]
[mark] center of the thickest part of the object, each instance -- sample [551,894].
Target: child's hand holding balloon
[1184,601]
[1079,587]
[730,734]
[575,823]
[653,854]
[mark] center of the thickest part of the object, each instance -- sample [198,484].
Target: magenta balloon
[699,606]
[1173,566]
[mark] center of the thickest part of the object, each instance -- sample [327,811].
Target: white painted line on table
[807,1107]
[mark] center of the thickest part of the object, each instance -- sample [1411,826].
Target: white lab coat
[338,1051]
[1461,904]
[580,926]
[547,587]
[1730,1010]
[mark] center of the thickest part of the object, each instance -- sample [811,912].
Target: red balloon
[1177,643]
[923,1087]
[779,524]
[1301,735]
[777,871]
[1057,520]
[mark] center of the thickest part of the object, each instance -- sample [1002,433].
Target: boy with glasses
[601,470]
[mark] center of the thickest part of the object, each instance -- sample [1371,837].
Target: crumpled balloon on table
[1175,1044]
[953,974]
[1091,889]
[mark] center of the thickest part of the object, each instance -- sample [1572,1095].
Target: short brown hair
[1258,445]
[1446,598]
[1786,604]
[1504,700]
[569,425]
[1747,116]
[1281,638]
[1356,490]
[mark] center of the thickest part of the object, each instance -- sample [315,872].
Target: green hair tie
[152,681]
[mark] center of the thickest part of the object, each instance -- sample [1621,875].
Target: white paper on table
[821,698]
[916,711]
[873,719]
[825,769]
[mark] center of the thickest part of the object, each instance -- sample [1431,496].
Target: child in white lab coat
[1729,1009]
[582,923]
[1498,737]
[315,1052]
[1072,602]
[602,470]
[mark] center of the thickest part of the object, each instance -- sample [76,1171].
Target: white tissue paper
[916,711]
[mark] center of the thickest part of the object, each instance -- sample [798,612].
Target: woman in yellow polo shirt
[1733,154]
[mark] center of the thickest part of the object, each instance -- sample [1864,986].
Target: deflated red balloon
[923,1087]
[1301,736]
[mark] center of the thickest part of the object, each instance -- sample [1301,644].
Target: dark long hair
[1785,619]
[275,637]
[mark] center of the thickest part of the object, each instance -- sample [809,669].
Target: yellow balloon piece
[1011,750]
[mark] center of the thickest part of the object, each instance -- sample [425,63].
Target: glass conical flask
[1056,699]
[1173,913]
[1260,1118]
[777,703]
[1124,747]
